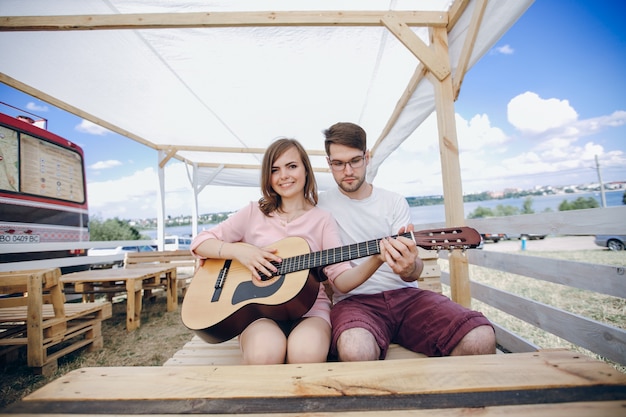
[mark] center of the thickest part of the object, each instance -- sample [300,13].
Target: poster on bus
[50,170]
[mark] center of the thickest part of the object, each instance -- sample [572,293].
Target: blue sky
[535,110]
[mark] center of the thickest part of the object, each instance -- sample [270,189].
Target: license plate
[13,239]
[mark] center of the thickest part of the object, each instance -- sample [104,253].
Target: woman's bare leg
[263,343]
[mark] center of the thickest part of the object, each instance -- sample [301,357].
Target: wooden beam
[451,172]
[455,11]
[417,77]
[468,46]
[243,166]
[167,157]
[436,64]
[12,82]
[217,19]
[223,149]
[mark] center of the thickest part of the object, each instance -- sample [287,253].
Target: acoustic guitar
[223,297]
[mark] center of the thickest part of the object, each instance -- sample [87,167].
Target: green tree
[579,204]
[480,212]
[112,229]
[527,208]
[502,210]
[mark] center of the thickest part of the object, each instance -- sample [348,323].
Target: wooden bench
[180,258]
[545,383]
[197,352]
[33,313]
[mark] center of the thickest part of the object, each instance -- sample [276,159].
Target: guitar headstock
[448,238]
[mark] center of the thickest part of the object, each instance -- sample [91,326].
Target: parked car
[613,242]
[528,236]
[177,242]
[115,251]
[494,237]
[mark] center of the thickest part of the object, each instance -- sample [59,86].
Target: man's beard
[350,188]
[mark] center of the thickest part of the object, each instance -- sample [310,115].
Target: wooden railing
[600,338]
[70,261]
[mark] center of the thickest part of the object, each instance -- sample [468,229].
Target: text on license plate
[7,238]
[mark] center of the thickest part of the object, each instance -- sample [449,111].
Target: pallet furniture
[545,383]
[132,281]
[180,258]
[197,352]
[33,313]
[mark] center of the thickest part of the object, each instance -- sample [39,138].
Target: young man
[369,314]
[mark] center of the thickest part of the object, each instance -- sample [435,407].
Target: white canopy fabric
[214,83]
[232,84]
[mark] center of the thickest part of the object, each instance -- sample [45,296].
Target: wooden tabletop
[134,280]
[115,274]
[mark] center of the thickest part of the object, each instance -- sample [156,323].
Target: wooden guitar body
[243,299]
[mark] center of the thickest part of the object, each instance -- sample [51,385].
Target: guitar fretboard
[332,256]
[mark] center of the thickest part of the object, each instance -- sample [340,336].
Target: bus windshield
[43,196]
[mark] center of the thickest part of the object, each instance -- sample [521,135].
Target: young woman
[287,208]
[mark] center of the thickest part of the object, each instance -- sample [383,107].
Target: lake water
[435,214]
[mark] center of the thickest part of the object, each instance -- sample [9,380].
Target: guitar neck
[333,256]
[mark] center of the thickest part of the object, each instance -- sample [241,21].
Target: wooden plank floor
[197,352]
[545,383]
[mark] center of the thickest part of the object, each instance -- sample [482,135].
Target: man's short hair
[346,134]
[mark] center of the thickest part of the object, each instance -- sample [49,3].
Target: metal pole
[601,183]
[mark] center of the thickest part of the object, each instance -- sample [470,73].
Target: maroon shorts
[420,320]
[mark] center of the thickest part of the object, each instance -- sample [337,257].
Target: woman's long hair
[271,200]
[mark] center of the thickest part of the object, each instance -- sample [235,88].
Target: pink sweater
[250,225]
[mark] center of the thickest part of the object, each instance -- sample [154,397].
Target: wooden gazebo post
[435,65]
[451,170]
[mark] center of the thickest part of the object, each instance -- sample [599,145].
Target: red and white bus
[43,194]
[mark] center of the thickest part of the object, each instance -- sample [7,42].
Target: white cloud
[111,163]
[36,107]
[86,126]
[135,196]
[530,113]
[478,134]
[505,50]
[545,152]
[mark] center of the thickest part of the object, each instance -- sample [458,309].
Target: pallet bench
[198,352]
[180,258]
[34,314]
[544,383]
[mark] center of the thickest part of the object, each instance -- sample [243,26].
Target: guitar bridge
[219,282]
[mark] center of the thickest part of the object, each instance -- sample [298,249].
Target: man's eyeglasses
[340,165]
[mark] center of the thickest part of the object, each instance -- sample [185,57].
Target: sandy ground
[550,243]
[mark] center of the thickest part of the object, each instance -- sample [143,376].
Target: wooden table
[132,280]
[547,383]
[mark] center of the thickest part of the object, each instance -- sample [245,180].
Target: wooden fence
[600,338]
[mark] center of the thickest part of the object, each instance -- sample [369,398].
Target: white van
[177,242]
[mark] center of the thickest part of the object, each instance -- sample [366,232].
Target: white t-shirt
[381,214]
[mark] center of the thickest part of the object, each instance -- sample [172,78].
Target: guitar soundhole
[265,277]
